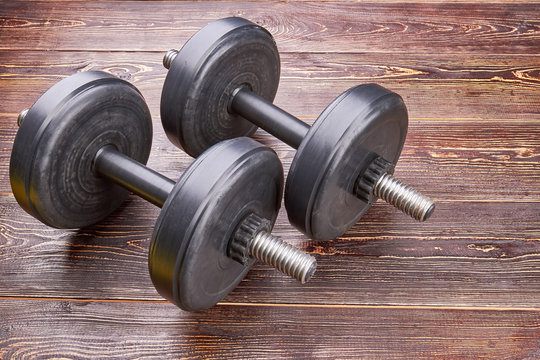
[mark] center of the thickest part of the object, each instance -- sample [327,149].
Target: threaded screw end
[406,199]
[169,57]
[289,260]
[21,116]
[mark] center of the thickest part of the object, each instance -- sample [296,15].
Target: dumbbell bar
[156,188]
[70,141]
[293,131]
[221,84]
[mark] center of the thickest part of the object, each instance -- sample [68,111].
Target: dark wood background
[465,284]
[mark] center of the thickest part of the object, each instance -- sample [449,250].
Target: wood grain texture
[465,88]
[307,26]
[463,285]
[68,329]
[385,259]
[453,160]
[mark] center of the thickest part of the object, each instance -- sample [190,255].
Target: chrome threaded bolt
[169,57]
[289,260]
[377,182]
[21,116]
[403,197]
[252,239]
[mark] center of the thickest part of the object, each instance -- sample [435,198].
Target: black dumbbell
[220,85]
[80,150]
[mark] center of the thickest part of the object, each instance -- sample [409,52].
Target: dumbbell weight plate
[217,60]
[188,255]
[51,163]
[363,121]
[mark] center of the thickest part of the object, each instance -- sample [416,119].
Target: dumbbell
[220,85]
[79,152]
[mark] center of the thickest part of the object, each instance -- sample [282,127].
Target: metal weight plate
[363,121]
[188,259]
[217,60]
[51,162]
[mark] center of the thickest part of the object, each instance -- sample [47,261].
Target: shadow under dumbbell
[109,260]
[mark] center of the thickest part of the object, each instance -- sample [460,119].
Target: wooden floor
[464,285]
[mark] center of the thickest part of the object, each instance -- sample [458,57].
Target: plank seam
[336,306]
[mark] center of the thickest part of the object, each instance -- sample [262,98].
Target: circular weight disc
[188,259]
[363,122]
[217,60]
[51,162]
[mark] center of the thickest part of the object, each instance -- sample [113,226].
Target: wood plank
[453,260]
[438,86]
[450,160]
[308,27]
[436,2]
[465,284]
[89,330]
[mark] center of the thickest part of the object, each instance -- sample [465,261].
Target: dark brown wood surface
[463,285]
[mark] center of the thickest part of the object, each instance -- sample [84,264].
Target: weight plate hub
[218,59]
[188,256]
[363,122]
[51,163]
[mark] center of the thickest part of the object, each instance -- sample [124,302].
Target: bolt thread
[406,199]
[289,260]
[169,57]
[21,116]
